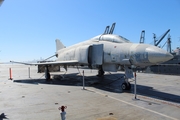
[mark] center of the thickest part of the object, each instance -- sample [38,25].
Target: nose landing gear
[128,75]
[126,86]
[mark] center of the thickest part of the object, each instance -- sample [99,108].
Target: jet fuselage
[112,51]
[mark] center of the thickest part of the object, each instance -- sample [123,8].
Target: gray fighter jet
[106,52]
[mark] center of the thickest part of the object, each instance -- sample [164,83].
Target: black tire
[47,76]
[128,86]
[124,86]
[100,73]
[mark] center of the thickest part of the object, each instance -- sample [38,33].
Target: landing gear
[126,86]
[128,75]
[47,74]
[100,71]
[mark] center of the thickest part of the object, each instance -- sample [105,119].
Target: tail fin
[59,45]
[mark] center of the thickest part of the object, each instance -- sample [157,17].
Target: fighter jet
[106,52]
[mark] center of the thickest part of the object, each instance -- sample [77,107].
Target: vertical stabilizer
[59,45]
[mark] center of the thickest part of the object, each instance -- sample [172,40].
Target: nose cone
[157,55]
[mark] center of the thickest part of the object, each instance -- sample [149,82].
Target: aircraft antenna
[142,37]
[112,28]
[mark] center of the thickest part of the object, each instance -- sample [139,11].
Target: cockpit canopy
[111,38]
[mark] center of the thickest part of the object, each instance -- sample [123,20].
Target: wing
[70,62]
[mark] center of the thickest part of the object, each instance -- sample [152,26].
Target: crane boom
[158,41]
[112,28]
[106,30]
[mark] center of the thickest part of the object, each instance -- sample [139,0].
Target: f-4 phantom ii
[106,52]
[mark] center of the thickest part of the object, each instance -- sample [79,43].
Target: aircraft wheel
[129,86]
[100,73]
[47,76]
[124,86]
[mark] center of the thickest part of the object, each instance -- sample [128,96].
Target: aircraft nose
[157,55]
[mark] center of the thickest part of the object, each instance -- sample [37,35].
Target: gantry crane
[111,30]
[142,37]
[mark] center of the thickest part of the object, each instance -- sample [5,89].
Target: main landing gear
[100,71]
[47,74]
[126,85]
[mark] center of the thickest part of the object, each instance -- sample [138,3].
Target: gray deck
[25,98]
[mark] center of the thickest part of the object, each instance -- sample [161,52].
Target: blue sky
[28,28]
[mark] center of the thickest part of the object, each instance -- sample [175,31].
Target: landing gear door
[96,55]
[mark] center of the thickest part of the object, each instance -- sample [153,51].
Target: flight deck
[29,96]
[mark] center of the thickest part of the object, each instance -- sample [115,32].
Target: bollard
[83,81]
[10,74]
[63,113]
[29,72]
[135,86]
